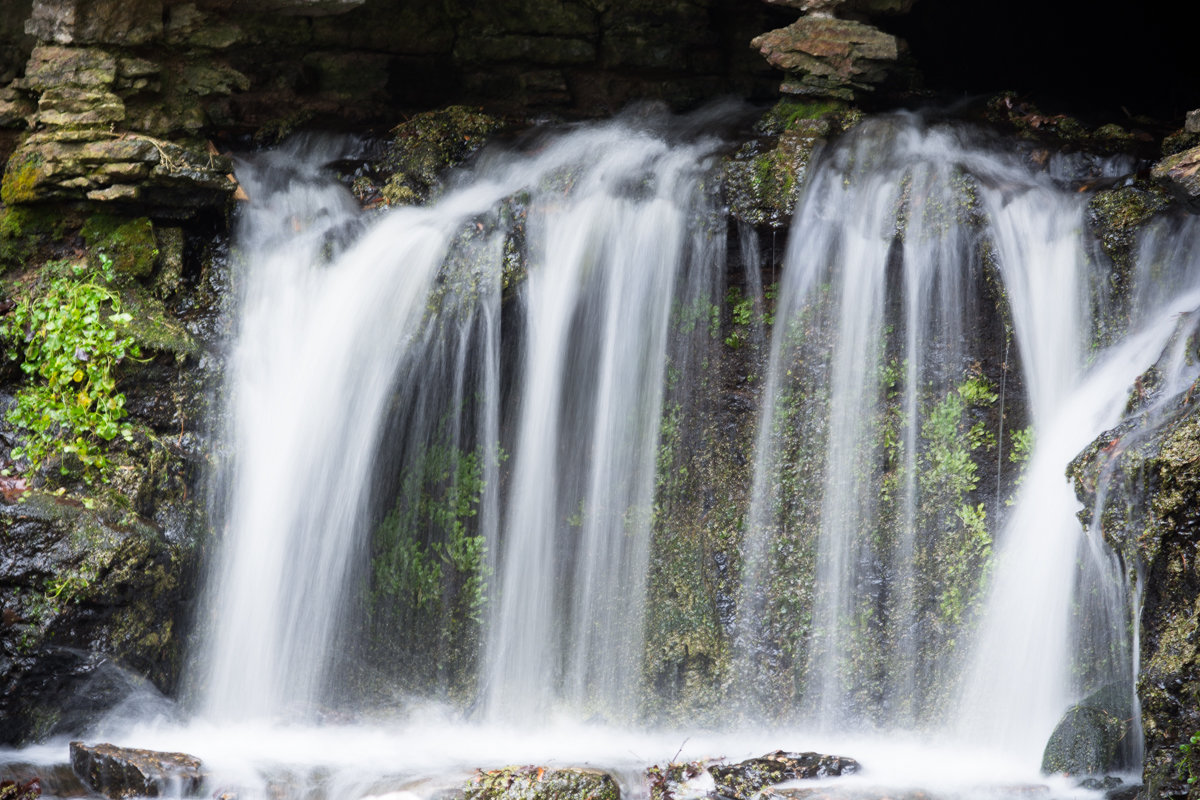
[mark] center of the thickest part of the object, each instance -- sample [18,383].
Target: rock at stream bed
[744,779]
[122,772]
[1086,742]
[539,783]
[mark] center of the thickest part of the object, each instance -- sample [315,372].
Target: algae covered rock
[761,181]
[1116,217]
[424,147]
[540,783]
[1147,470]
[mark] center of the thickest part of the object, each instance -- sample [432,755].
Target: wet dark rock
[541,783]
[1063,131]
[1126,791]
[1116,218]
[744,779]
[1086,741]
[88,597]
[1107,783]
[123,772]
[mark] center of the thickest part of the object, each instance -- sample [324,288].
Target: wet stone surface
[122,772]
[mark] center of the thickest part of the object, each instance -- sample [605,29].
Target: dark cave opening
[1096,57]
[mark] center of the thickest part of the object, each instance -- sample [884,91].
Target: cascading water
[918,258]
[444,440]
[598,302]
[337,334]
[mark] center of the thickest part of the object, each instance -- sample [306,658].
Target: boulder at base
[121,772]
[1087,741]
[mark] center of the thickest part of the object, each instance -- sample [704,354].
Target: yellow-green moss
[21,178]
[24,230]
[130,243]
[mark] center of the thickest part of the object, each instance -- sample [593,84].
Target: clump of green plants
[1189,768]
[429,565]
[949,478]
[741,312]
[67,334]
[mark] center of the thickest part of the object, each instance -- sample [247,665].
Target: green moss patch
[130,243]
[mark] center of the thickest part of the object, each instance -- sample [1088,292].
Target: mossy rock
[1148,469]
[175,178]
[1116,217]
[540,783]
[762,181]
[424,147]
[1180,173]
[22,176]
[1117,214]
[26,231]
[130,243]
[1179,141]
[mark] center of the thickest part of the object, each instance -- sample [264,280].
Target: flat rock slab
[540,783]
[1180,173]
[746,778]
[123,772]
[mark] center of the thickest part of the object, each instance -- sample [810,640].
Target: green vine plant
[1189,768]
[68,337]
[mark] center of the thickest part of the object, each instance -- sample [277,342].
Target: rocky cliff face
[1140,484]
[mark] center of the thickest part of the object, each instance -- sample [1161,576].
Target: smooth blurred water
[365,339]
[339,314]
[905,234]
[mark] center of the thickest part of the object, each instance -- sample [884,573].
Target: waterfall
[928,270]
[598,301]
[445,434]
[367,394]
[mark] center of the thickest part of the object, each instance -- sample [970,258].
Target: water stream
[345,324]
[440,455]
